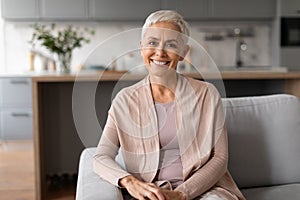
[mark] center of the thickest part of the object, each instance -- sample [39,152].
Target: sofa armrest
[89,185]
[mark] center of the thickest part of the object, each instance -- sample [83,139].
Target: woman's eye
[172,45]
[152,43]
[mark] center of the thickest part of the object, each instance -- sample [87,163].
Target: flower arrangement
[60,42]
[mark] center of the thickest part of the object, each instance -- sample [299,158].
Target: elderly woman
[169,128]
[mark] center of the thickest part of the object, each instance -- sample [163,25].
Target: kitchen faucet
[241,46]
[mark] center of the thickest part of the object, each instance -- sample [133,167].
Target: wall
[14,50]
[2,68]
[223,51]
[18,34]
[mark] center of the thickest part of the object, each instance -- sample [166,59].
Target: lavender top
[170,166]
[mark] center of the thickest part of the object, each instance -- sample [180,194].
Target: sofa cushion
[263,137]
[90,186]
[291,191]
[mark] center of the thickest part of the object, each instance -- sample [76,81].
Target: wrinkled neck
[163,87]
[167,81]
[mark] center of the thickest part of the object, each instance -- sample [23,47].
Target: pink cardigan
[132,128]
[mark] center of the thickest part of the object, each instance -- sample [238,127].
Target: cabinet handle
[20,114]
[19,82]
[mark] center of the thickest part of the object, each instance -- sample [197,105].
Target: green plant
[62,41]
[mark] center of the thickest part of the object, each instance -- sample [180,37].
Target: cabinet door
[64,9]
[290,8]
[290,57]
[189,9]
[16,124]
[19,9]
[243,9]
[15,92]
[122,10]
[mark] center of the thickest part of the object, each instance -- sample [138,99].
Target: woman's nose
[160,51]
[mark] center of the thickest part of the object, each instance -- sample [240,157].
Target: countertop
[116,76]
[121,75]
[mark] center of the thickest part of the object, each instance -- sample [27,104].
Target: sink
[252,69]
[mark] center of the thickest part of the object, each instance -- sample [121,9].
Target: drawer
[15,92]
[16,124]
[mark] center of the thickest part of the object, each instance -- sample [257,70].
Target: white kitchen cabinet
[44,9]
[122,9]
[15,108]
[190,9]
[16,92]
[20,9]
[16,124]
[224,9]
[64,9]
[243,9]
[290,57]
[138,9]
[290,8]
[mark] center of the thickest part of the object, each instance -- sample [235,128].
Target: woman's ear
[184,52]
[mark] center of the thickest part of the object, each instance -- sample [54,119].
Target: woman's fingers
[157,192]
[141,190]
[150,195]
[150,191]
[174,195]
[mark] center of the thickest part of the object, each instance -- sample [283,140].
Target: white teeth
[159,63]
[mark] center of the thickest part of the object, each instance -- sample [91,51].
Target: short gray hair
[167,16]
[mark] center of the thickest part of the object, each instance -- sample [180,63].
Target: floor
[17,173]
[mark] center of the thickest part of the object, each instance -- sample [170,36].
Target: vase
[63,63]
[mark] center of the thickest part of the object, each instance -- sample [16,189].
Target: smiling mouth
[166,63]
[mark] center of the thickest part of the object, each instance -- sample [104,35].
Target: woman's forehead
[162,33]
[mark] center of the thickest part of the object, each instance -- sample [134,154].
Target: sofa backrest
[264,139]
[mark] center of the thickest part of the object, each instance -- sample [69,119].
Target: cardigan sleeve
[214,169]
[210,173]
[104,160]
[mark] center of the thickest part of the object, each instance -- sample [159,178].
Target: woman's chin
[160,70]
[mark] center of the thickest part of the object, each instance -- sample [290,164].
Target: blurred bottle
[31,61]
[51,65]
[40,63]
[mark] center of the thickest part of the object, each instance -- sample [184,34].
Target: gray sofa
[264,151]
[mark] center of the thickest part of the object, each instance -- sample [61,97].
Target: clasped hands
[148,191]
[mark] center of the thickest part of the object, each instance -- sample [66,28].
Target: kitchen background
[216,37]
[226,29]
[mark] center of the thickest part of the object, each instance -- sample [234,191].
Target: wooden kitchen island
[58,140]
